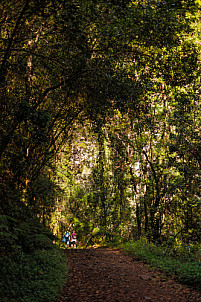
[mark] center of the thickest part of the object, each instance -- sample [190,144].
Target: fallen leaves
[108,275]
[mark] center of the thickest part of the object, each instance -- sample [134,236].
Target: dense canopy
[100,116]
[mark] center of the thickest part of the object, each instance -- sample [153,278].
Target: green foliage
[101,237]
[32,267]
[177,261]
[99,121]
[36,277]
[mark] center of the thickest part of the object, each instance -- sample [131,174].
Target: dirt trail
[108,275]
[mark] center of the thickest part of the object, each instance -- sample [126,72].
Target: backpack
[64,239]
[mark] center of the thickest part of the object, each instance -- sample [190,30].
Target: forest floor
[108,275]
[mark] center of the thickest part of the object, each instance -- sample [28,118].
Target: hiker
[74,239]
[66,239]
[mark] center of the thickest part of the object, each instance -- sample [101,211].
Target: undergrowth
[33,269]
[177,262]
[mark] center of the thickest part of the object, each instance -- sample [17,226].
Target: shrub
[182,265]
[33,269]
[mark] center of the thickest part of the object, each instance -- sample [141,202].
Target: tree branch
[2,69]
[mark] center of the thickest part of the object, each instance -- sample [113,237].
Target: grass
[178,263]
[33,269]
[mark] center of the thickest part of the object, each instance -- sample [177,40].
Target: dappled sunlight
[99,135]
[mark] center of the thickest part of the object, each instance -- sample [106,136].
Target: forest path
[108,275]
